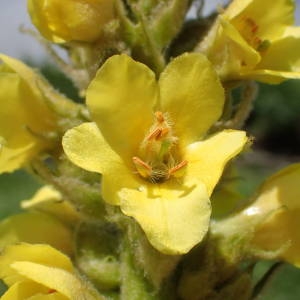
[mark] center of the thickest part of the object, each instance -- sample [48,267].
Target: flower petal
[274,58]
[207,159]
[71,20]
[12,159]
[121,98]
[238,48]
[279,198]
[35,227]
[49,200]
[236,7]
[29,89]
[227,49]
[192,93]
[174,218]
[269,76]
[38,253]
[118,178]
[269,25]
[57,279]
[23,290]
[21,103]
[85,147]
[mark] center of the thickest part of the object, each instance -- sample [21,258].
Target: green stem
[245,106]
[84,196]
[265,280]
[78,76]
[249,94]
[134,286]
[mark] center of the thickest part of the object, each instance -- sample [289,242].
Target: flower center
[249,29]
[159,155]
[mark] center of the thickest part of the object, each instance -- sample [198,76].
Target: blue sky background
[13,14]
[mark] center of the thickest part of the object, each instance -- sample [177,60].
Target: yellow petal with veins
[174,217]
[86,147]
[197,102]
[121,98]
[207,159]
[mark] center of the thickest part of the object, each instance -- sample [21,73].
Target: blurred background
[274,122]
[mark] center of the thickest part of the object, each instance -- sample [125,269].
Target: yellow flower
[277,205]
[35,228]
[148,142]
[71,20]
[255,39]
[41,272]
[50,201]
[27,123]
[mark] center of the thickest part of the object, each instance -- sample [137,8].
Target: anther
[175,171]
[252,24]
[159,116]
[158,133]
[144,169]
[154,134]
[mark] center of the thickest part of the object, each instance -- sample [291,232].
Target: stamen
[157,134]
[154,134]
[159,116]
[252,24]
[164,132]
[158,151]
[142,167]
[174,170]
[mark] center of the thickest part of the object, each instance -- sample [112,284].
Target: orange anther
[140,162]
[250,22]
[159,116]
[155,134]
[142,167]
[163,132]
[177,167]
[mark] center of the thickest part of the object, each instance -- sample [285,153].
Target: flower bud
[71,20]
